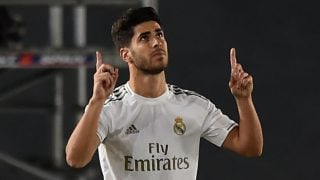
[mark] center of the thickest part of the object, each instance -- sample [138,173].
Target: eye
[160,34]
[144,38]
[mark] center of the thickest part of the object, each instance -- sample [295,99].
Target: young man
[148,129]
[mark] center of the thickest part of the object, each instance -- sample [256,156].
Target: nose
[156,42]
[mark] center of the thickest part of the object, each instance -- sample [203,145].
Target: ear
[125,54]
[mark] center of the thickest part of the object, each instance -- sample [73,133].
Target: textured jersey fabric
[157,138]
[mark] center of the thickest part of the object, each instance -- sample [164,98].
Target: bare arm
[247,138]
[84,141]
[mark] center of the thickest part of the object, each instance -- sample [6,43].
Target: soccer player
[148,129]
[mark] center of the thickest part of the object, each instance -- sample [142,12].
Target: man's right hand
[105,79]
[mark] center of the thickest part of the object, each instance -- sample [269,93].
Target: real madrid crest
[179,127]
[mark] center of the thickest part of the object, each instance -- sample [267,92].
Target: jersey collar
[162,97]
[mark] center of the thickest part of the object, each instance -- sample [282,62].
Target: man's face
[148,48]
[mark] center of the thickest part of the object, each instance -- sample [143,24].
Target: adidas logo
[132,130]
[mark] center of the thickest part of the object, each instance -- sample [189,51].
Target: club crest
[179,127]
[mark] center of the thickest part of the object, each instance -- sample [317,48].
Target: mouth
[158,52]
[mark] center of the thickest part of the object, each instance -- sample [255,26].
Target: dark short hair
[122,28]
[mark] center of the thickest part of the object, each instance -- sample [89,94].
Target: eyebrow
[148,32]
[158,30]
[144,34]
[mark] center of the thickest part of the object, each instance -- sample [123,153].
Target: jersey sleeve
[102,129]
[216,125]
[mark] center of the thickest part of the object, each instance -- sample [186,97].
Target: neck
[151,86]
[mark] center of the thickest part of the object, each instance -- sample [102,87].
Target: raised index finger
[233,59]
[99,60]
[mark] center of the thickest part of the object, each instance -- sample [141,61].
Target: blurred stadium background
[47,56]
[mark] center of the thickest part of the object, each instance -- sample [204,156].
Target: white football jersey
[157,138]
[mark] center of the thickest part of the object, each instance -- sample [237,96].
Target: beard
[150,70]
[150,67]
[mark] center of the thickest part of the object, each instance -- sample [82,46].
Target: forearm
[83,141]
[250,132]
[246,139]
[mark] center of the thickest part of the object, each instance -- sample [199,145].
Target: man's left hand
[241,83]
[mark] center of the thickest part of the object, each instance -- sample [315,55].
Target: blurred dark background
[276,41]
